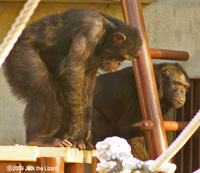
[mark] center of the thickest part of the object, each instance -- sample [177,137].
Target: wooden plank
[87,156]
[18,153]
[81,1]
[71,155]
[31,153]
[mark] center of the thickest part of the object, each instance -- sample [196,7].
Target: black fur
[116,109]
[53,66]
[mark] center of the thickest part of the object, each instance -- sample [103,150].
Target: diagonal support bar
[145,80]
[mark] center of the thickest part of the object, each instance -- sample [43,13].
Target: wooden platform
[72,159]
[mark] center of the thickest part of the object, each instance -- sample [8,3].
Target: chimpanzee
[116,109]
[53,67]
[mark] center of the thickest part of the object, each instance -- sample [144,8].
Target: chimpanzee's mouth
[111,70]
[178,102]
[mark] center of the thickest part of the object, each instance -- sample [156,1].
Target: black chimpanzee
[116,109]
[53,66]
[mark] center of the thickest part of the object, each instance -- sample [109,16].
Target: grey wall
[175,25]
[170,24]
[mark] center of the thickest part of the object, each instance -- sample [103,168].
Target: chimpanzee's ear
[119,37]
[165,73]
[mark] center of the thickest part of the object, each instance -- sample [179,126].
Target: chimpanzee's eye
[119,63]
[177,83]
[122,58]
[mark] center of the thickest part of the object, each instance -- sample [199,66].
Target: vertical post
[74,167]
[11,166]
[50,164]
[199,132]
[191,116]
[94,164]
[182,150]
[145,81]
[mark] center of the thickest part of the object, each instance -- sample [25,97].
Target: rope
[108,147]
[178,142]
[197,171]
[115,155]
[17,29]
[105,149]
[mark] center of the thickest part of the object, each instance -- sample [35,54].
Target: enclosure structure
[45,159]
[189,161]
[145,81]
[152,122]
[147,70]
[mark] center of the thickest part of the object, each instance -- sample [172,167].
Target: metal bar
[47,164]
[191,116]
[182,150]
[174,125]
[168,125]
[199,133]
[145,80]
[169,54]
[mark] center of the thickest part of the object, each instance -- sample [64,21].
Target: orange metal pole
[174,125]
[145,80]
[169,54]
[147,125]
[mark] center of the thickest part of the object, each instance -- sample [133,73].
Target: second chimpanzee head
[175,83]
[122,45]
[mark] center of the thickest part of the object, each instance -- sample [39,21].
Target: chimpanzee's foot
[63,143]
[50,142]
[80,145]
[56,142]
[89,146]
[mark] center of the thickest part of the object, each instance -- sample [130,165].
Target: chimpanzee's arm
[88,112]
[72,75]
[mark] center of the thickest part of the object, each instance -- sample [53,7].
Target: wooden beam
[31,153]
[82,1]
[70,154]
[18,153]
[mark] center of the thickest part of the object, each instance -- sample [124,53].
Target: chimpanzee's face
[175,87]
